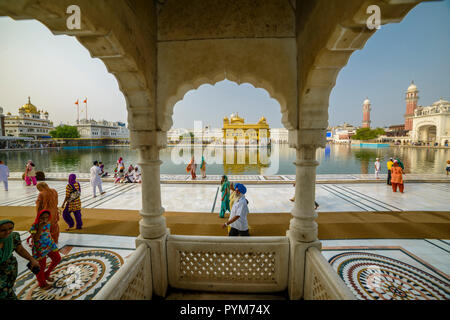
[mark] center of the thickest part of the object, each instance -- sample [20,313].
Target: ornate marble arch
[265,63]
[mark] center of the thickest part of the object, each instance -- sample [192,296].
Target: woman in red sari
[48,199]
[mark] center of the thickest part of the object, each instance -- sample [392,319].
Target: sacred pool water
[278,159]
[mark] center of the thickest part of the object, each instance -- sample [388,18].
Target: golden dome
[263,119]
[235,118]
[29,108]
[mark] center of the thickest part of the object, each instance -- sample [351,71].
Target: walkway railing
[321,280]
[133,281]
[228,264]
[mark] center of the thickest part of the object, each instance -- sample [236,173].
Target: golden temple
[236,129]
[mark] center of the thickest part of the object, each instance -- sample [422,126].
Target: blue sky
[56,71]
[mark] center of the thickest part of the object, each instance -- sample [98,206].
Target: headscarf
[36,221]
[241,188]
[7,250]
[72,180]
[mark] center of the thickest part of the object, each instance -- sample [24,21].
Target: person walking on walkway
[397,177]
[4,174]
[238,216]
[30,173]
[203,168]
[389,166]
[377,166]
[316,205]
[232,194]
[96,180]
[48,199]
[225,198]
[119,171]
[191,167]
[10,242]
[447,169]
[72,203]
[43,246]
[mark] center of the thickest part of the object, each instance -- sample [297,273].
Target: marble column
[152,226]
[303,228]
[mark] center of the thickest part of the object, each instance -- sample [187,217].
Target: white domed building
[30,122]
[431,124]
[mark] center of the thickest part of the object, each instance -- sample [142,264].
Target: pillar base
[152,227]
[297,263]
[158,256]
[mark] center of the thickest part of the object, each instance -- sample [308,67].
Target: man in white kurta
[96,180]
[4,174]
[238,216]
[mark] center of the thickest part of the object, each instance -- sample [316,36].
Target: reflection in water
[279,159]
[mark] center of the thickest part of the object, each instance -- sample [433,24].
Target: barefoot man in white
[377,168]
[96,180]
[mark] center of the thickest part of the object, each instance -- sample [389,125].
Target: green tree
[64,131]
[368,134]
[186,136]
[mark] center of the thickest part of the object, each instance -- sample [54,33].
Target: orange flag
[85,100]
[76,102]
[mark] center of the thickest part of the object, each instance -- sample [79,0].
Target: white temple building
[431,124]
[91,129]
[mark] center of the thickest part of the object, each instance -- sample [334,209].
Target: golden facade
[236,129]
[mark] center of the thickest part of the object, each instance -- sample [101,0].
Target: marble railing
[321,280]
[133,281]
[228,264]
[224,264]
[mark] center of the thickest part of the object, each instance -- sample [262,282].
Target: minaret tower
[366,114]
[411,105]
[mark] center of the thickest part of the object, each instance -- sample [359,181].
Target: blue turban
[240,187]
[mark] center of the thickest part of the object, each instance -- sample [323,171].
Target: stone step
[179,294]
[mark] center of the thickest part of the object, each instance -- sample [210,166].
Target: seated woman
[129,176]
[137,175]
[9,242]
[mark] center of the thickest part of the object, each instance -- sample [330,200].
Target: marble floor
[373,269]
[88,262]
[269,198]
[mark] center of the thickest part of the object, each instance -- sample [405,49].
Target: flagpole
[86,107]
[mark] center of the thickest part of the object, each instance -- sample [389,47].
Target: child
[43,246]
